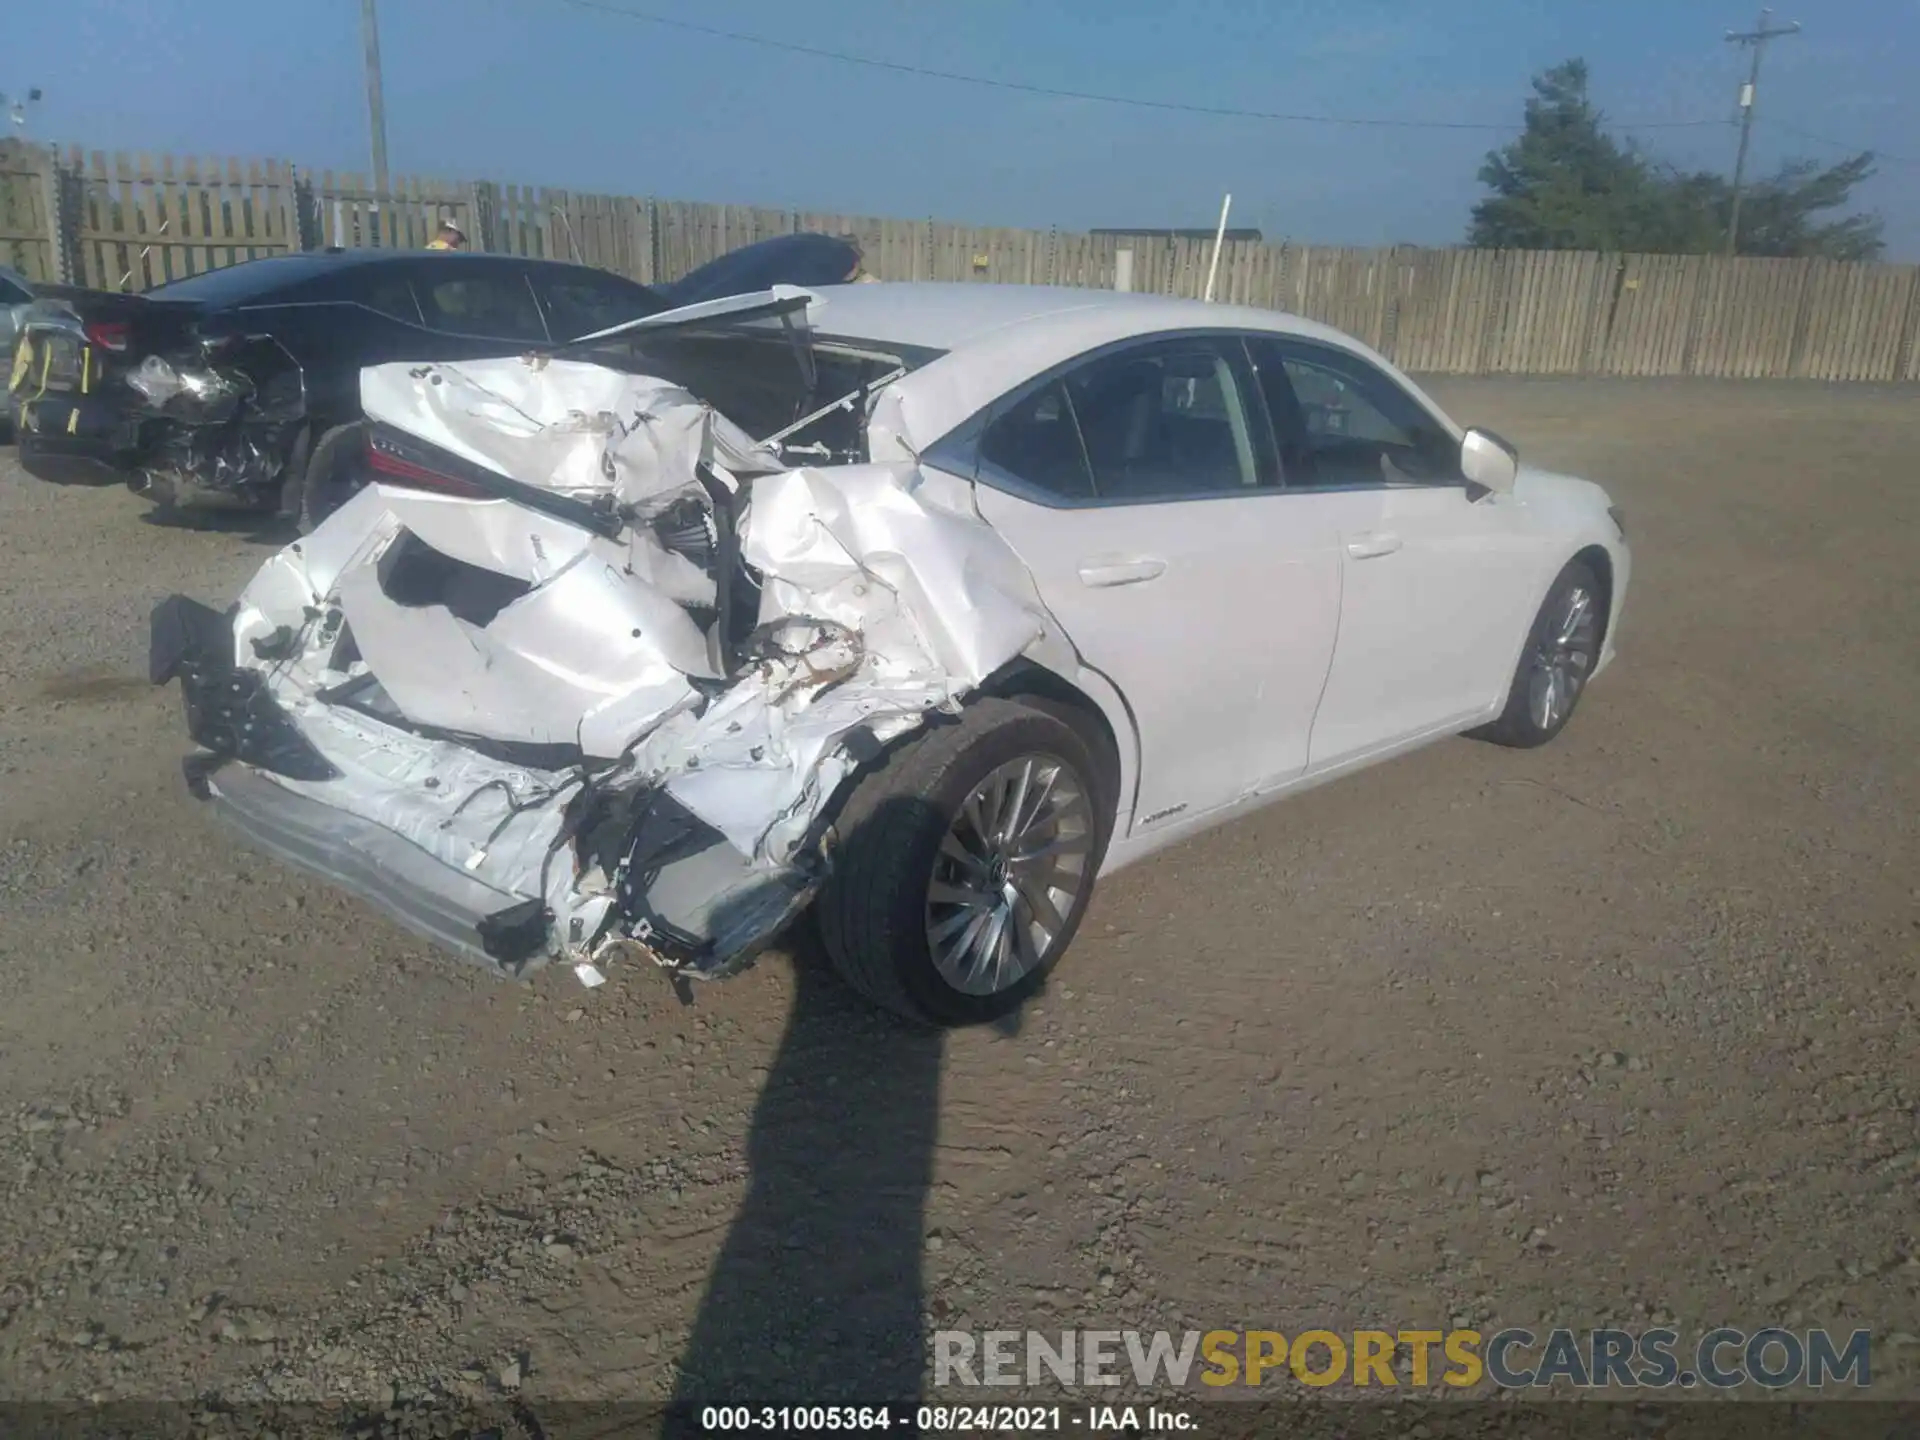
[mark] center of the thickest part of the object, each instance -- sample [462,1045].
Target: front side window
[1342,423]
[497,305]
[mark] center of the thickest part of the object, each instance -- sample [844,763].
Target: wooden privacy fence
[122,222]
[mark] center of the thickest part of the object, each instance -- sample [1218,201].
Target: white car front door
[1438,586]
[1138,487]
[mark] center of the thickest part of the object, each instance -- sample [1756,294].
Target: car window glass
[1036,440]
[395,297]
[1163,421]
[1343,423]
[390,295]
[499,306]
[577,307]
[12,294]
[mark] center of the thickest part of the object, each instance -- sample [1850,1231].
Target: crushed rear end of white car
[579,674]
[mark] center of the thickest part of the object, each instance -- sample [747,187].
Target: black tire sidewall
[1517,724]
[1026,732]
[332,452]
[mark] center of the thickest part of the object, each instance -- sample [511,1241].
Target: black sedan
[240,387]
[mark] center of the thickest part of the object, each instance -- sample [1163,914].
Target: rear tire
[1562,648]
[332,475]
[964,864]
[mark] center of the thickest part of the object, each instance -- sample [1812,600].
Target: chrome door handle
[1372,545]
[1100,574]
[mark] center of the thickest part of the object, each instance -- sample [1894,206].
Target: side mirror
[1489,462]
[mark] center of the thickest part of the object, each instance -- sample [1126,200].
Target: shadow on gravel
[817,1291]
[68,470]
[252,526]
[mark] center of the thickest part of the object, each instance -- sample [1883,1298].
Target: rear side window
[581,305]
[391,295]
[1167,420]
[1037,442]
[497,305]
[12,294]
[378,287]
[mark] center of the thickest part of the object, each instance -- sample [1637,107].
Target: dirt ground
[1618,1030]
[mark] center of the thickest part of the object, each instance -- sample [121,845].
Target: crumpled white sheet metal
[562,425]
[936,603]
[583,639]
[890,598]
[860,545]
[495,535]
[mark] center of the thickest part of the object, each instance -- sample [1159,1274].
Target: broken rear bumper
[436,901]
[246,739]
[690,901]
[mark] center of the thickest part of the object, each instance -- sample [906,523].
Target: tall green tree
[1566,184]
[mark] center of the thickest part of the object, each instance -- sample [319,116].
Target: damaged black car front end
[186,405]
[239,387]
[224,421]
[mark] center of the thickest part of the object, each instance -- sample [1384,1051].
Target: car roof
[252,279]
[953,316]
[997,337]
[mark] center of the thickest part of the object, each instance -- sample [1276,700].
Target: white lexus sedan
[923,606]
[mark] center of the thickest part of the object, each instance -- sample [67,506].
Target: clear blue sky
[541,91]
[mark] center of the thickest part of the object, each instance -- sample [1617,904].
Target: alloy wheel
[1009,873]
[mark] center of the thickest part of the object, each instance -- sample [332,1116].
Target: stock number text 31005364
[781,1419]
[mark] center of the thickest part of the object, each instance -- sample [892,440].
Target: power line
[1135,101]
[1878,155]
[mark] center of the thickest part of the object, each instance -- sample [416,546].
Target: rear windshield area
[757,381]
[237,284]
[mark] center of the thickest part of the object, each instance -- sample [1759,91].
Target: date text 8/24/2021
[953,1419]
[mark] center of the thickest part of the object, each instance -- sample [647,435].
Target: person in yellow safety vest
[450,237]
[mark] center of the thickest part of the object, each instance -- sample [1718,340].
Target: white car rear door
[1139,489]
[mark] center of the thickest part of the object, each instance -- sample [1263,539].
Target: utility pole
[376,104]
[1756,41]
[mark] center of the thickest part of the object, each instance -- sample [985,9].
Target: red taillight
[390,469]
[109,334]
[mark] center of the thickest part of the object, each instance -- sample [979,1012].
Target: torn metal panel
[532,668]
[581,718]
[785,303]
[562,425]
[862,544]
[222,416]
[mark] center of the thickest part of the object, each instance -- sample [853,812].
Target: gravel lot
[1619,1030]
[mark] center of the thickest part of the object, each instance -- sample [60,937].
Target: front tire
[963,865]
[1562,648]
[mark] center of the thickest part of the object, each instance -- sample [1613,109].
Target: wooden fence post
[483,204]
[61,201]
[1906,360]
[304,229]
